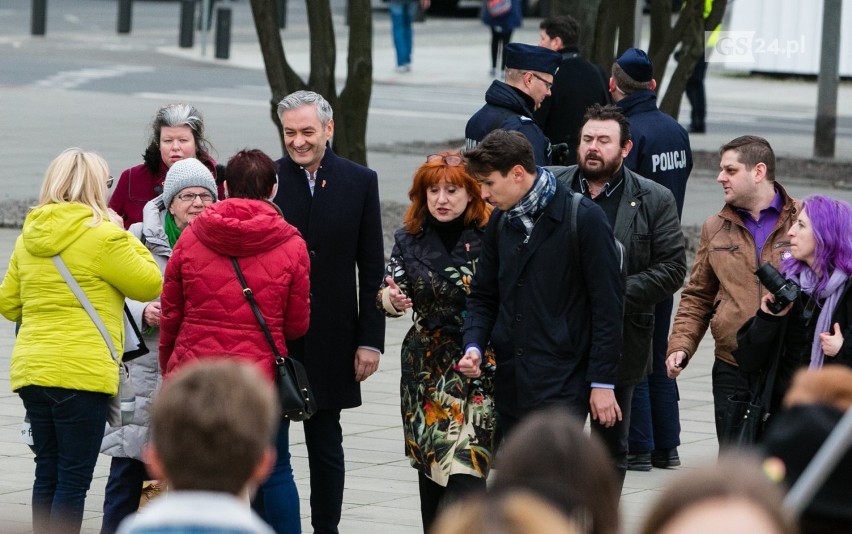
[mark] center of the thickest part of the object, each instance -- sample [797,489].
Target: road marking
[71,79]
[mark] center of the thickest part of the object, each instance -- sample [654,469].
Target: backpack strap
[572,223]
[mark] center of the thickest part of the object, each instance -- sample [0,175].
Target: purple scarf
[807,279]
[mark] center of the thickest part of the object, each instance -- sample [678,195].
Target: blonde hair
[77,176]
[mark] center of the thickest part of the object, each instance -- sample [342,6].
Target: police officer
[510,105]
[662,153]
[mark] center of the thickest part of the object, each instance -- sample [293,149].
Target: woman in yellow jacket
[61,366]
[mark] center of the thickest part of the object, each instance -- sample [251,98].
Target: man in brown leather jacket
[723,291]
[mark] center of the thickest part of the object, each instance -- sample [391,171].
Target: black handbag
[294,392]
[747,412]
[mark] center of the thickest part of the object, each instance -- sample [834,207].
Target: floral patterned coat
[448,419]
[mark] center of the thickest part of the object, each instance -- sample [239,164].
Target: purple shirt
[763,226]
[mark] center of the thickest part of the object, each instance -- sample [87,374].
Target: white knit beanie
[185,173]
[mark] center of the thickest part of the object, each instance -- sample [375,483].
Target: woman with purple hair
[816,328]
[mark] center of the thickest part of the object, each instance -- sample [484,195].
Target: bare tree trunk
[586,13]
[350,140]
[626,17]
[323,50]
[351,107]
[282,79]
[603,52]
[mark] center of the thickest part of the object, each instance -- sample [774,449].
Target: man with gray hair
[335,205]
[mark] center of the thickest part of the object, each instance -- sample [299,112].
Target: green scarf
[172,231]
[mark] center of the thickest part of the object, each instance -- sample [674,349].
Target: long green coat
[447,419]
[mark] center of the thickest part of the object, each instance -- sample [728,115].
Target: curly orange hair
[431,173]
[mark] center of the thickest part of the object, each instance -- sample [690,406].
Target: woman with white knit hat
[188,189]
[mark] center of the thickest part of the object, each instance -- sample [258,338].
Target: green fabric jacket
[58,344]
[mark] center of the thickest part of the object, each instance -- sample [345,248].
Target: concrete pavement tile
[375,457]
[378,516]
[391,487]
[371,443]
[357,417]
[365,527]
[371,408]
[369,494]
[388,472]
[355,429]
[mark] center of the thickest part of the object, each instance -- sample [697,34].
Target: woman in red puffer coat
[204,312]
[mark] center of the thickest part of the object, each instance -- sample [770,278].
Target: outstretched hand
[399,300]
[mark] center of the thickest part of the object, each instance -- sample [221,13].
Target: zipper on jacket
[729,249]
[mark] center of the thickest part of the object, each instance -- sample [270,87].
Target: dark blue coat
[661,150]
[553,319]
[507,22]
[507,108]
[342,227]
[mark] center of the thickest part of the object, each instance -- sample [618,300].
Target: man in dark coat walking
[335,205]
[577,85]
[549,298]
[644,219]
[510,105]
[661,152]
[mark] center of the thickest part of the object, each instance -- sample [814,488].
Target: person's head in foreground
[549,454]
[513,512]
[212,428]
[733,496]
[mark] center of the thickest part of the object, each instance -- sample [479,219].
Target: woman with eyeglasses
[177,132]
[447,418]
[61,365]
[815,329]
[188,190]
[205,313]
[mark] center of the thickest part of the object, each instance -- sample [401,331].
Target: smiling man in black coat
[335,205]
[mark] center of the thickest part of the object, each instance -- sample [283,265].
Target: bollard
[223,32]
[39,19]
[282,13]
[125,15]
[187,14]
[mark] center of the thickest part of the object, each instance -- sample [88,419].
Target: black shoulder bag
[294,392]
[747,412]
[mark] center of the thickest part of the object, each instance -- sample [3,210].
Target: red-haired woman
[447,418]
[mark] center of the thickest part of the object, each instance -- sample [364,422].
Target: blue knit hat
[528,57]
[636,64]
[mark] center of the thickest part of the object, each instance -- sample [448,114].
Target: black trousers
[433,496]
[499,40]
[324,441]
[727,380]
[615,438]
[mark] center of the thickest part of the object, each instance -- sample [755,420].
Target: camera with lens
[784,290]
